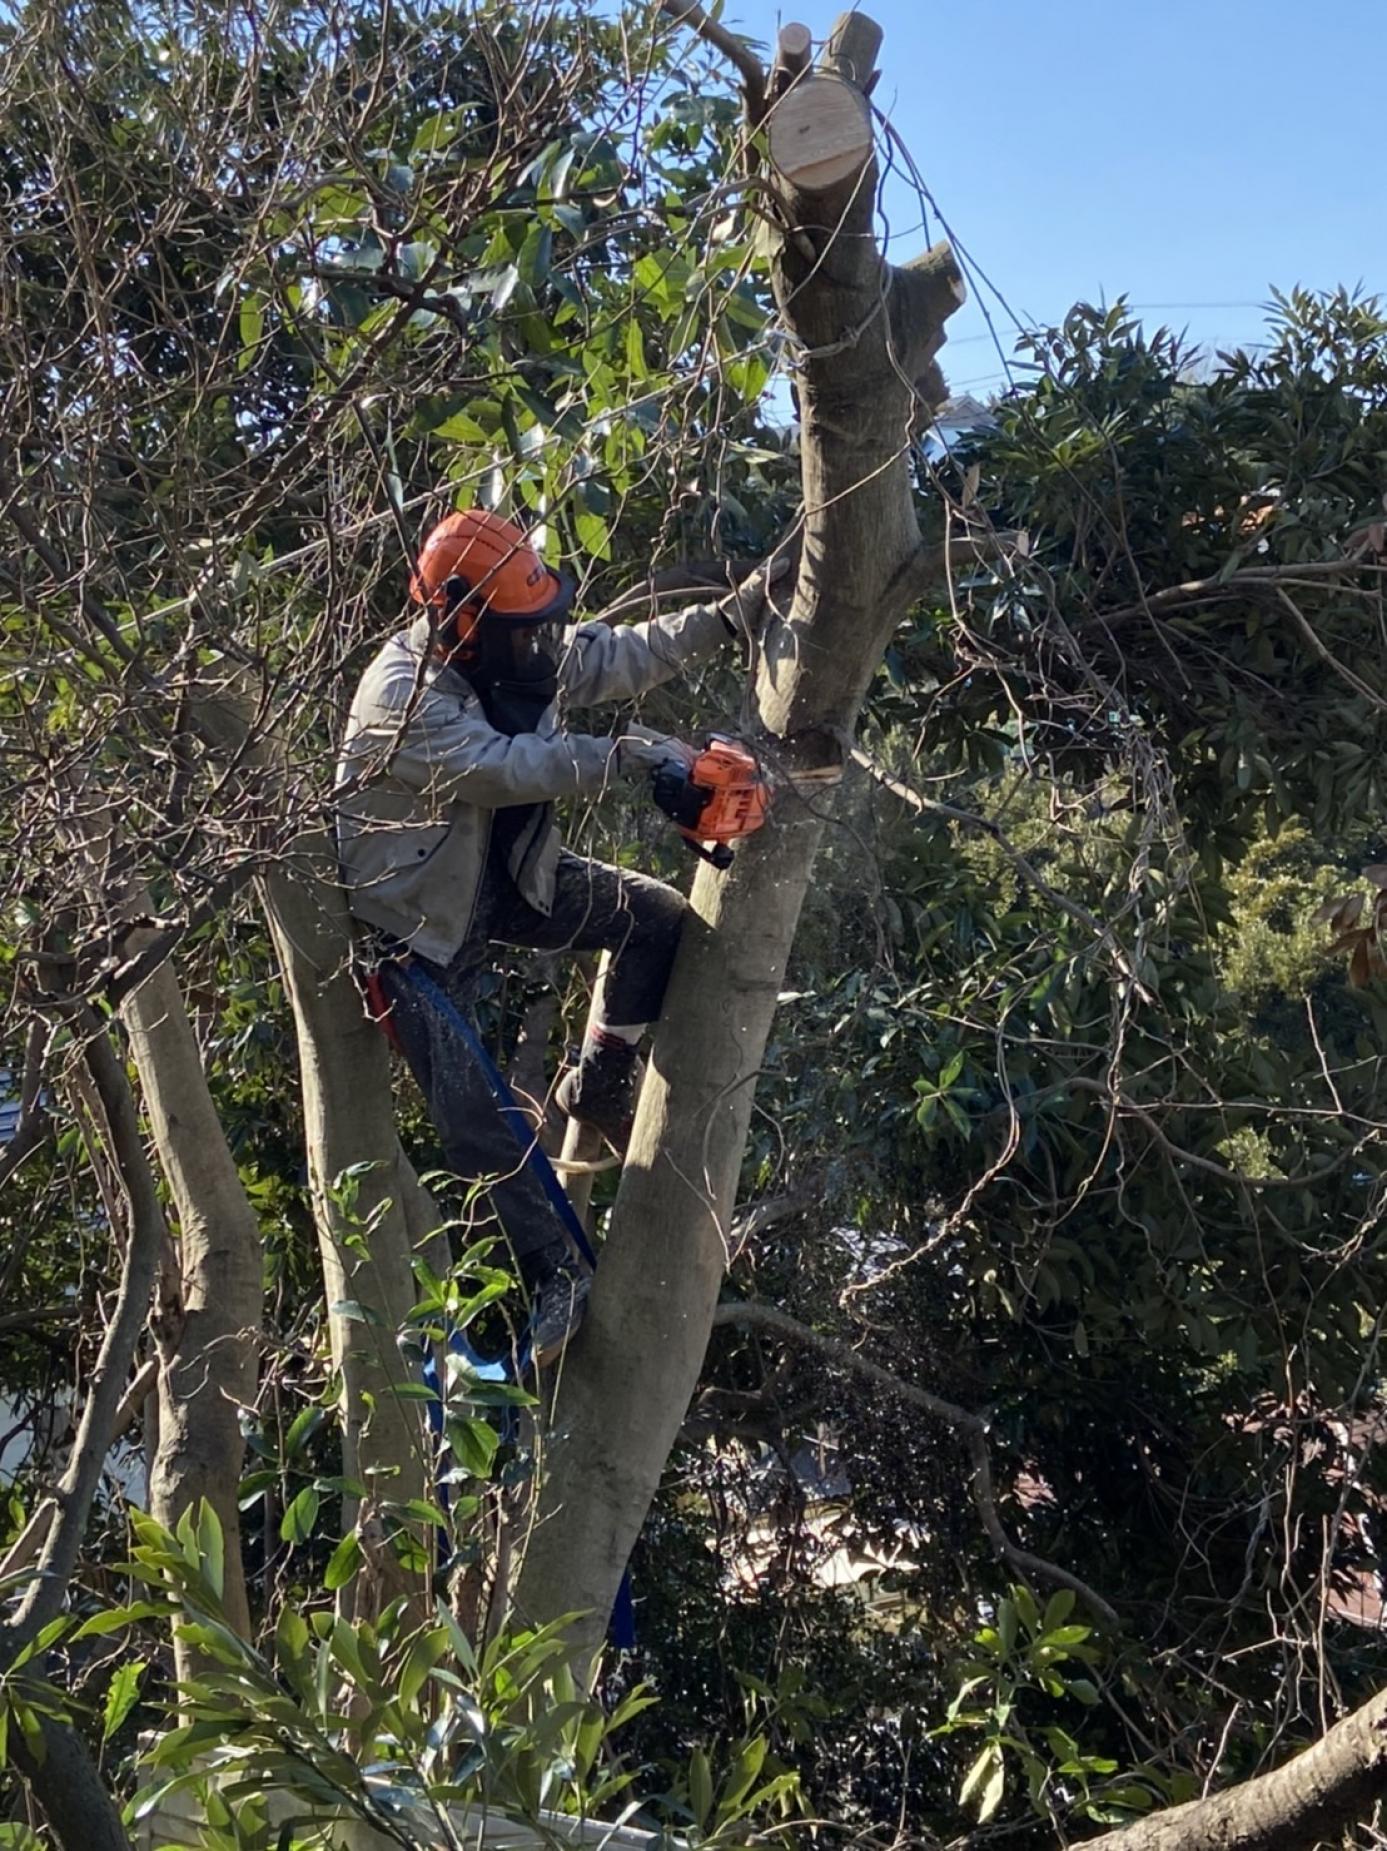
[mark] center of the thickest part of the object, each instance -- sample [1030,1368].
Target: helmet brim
[552,603]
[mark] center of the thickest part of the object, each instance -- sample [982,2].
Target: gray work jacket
[422,771]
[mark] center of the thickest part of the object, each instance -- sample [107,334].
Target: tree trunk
[363,1222]
[208,1333]
[210,1302]
[66,1781]
[864,333]
[1309,1802]
[364,1191]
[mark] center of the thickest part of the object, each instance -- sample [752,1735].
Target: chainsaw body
[721,796]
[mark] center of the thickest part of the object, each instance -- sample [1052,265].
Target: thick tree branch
[145,1236]
[66,1781]
[971,1427]
[32,1125]
[1312,1800]
[69,1787]
[689,13]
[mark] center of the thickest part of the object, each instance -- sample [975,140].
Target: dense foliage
[1071,1117]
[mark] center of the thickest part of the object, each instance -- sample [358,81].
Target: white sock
[607,1034]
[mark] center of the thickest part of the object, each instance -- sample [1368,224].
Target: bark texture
[364,1228]
[210,1300]
[209,1317]
[65,1780]
[1310,1802]
[628,1378]
[368,1224]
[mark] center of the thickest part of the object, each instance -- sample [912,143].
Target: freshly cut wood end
[793,45]
[820,134]
[851,51]
[792,50]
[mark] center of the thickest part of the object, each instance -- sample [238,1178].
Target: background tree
[1064,1157]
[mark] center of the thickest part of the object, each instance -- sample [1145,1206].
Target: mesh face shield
[509,651]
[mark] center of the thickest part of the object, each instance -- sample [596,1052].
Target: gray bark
[66,1781]
[210,1301]
[1309,1802]
[628,1379]
[365,1245]
[208,1323]
[349,1120]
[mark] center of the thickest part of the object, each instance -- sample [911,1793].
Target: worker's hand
[746,609]
[638,750]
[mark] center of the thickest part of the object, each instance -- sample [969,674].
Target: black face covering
[516,680]
[515,676]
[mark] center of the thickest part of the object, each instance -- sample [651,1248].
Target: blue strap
[519,1126]
[622,1625]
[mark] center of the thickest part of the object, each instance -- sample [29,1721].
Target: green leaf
[1058,1609]
[355,1313]
[978,1780]
[460,428]
[420,1511]
[635,351]
[16,1837]
[593,534]
[296,1525]
[252,322]
[1006,1624]
[122,1696]
[212,1547]
[304,1424]
[102,1623]
[700,1788]
[343,1562]
[1068,1635]
[474,1444]
[421,1658]
[1026,1608]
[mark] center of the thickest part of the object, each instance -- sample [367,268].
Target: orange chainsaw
[722,795]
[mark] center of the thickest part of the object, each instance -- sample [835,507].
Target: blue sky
[1181,154]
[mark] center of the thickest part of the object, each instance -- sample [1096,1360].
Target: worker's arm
[450,749]
[599,662]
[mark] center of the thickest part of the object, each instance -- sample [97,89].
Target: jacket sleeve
[449,750]
[602,662]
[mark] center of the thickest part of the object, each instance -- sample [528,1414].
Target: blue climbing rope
[622,1626]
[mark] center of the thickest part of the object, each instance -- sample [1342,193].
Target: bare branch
[1312,1800]
[32,1125]
[689,13]
[146,1233]
[972,1427]
[1218,587]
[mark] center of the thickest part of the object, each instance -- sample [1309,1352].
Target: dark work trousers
[596,908]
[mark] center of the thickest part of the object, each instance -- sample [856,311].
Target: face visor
[509,649]
[508,645]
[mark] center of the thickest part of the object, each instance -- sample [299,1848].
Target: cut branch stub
[851,51]
[792,50]
[820,134]
[924,293]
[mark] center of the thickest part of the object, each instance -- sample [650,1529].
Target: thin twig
[1201,590]
[689,13]
[973,1428]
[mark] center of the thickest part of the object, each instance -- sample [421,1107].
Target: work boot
[560,1299]
[601,1090]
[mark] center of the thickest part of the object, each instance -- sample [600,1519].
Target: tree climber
[454,754]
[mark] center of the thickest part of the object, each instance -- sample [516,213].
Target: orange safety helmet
[476,562]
